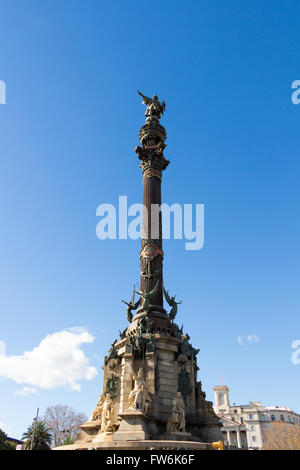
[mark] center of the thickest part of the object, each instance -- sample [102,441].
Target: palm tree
[38,436]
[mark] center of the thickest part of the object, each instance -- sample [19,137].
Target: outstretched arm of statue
[145,98]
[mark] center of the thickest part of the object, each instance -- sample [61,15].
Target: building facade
[244,426]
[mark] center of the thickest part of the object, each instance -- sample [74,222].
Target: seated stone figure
[97,413]
[177,421]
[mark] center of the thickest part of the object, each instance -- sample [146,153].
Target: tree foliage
[68,440]
[7,443]
[39,435]
[64,423]
[4,444]
[282,436]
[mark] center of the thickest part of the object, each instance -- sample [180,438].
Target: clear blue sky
[68,131]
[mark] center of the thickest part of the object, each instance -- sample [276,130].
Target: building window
[250,416]
[263,418]
[235,411]
[281,418]
[252,428]
[273,418]
[242,420]
[253,438]
[221,399]
[289,418]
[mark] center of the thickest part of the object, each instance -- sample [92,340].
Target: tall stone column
[229,440]
[152,137]
[239,440]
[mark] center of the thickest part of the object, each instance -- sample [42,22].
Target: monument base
[133,426]
[139,445]
[104,437]
[177,436]
[89,430]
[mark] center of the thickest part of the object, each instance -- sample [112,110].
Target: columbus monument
[151,397]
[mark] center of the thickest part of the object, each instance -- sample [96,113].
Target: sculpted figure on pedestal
[177,421]
[139,397]
[154,107]
[107,415]
[146,296]
[172,302]
[97,413]
[132,305]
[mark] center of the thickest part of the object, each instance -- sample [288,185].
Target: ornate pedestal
[90,430]
[134,426]
[161,382]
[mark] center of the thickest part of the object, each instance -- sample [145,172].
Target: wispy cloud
[25,392]
[252,338]
[57,361]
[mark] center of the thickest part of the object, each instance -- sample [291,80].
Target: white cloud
[24,392]
[57,361]
[253,338]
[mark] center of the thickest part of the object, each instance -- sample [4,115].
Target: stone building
[244,426]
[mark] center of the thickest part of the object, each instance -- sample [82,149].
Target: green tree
[4,445]
[68,440]
[39,434]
